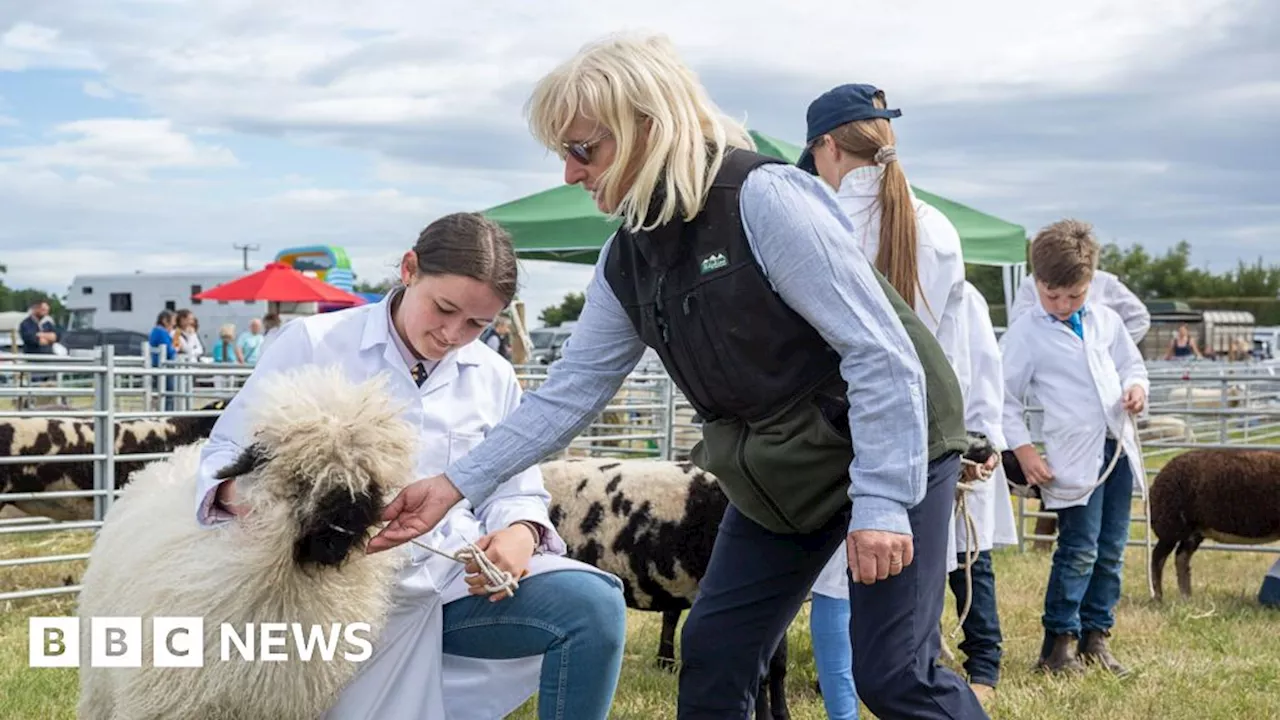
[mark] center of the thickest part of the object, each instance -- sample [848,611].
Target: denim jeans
[1269,593]
[1084,583]
[829,628]
[575,619]
[982,637]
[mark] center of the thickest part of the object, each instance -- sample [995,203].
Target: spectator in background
[1183,345]
[500,338]
[271,326]
[250,343]
[226,350]
[187,337]
[39,332]
[161,342]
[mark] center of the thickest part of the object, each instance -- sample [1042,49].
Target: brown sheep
[1230,496]
[74,436]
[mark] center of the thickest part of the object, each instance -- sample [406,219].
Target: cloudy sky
[155,134]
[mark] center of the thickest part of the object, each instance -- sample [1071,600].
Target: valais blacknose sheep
[326,454]
[652,523]
[1230,496]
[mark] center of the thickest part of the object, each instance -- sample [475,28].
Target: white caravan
[131,301]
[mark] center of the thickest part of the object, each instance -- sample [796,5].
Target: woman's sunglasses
[581,151]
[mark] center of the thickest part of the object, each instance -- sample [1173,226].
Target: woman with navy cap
[851,145]
[832,417]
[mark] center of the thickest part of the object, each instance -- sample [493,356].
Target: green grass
[1214,656]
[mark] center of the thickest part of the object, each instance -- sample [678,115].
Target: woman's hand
[1033,467]
[510,549]
[415,511]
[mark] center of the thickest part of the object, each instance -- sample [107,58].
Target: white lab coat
[940,262]
[471,391]
[1081,384]
[981,377]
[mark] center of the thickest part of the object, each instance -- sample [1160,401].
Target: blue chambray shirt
[805,244]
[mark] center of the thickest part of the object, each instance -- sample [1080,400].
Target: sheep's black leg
[1159,555]
[1186,549]
[667,645]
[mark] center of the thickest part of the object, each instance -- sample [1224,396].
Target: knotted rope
[963,488]
[498,578]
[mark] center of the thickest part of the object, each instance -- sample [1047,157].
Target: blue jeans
[574,618]
[982,637]
[1269,593]
[829,627]
[1084,583]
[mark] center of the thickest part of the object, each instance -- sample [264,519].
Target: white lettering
[365,643]
[314,637]
[53,642]
[244,645]
[267,639]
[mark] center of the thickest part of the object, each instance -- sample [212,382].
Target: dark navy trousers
[756,582]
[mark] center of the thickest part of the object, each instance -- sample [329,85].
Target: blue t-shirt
[161,337]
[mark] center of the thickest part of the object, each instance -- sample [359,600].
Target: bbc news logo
[179,642]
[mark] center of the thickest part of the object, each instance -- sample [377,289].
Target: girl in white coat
[449,649]
[981,374]
[918,251]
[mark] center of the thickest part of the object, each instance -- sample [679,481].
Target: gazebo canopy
[564,224]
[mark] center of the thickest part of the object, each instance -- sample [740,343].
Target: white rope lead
[499,579]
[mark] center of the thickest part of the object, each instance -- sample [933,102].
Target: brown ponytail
[897,258]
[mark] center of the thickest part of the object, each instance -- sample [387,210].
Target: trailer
[132,301]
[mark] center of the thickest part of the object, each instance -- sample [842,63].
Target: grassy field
[1215,656]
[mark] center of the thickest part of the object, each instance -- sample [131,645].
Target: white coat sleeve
[230,434]
[1017,361]
[1129,363]
[1132,311]
[522,496]
[984,407]
[1023,300]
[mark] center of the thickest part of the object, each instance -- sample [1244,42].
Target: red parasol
[278,282]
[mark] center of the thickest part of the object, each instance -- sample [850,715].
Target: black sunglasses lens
[580,152]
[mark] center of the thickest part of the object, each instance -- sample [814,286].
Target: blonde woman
[733,267]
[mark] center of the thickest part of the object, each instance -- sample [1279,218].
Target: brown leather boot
[1093,649]
[1060,657]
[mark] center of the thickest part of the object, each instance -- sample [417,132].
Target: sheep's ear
[249,460]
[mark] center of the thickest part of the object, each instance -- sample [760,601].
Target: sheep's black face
[338,524]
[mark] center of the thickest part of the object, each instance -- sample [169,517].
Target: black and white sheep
[326,454]
[653,524]
[46,436]
[1230,496]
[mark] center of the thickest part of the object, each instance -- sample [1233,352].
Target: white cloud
[27,45]
[401,62]
[95,89]
[356,202]
[5,120]
[125,148]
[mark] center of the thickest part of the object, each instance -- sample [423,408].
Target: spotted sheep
[653,524]
[46,436]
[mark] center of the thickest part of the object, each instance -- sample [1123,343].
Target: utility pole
[247,249]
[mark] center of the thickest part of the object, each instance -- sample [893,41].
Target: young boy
[1089,375]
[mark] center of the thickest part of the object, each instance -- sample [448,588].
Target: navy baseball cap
[839,105]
